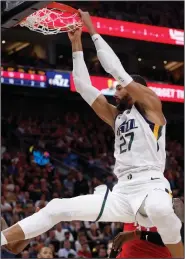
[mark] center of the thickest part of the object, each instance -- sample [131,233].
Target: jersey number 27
[129,136]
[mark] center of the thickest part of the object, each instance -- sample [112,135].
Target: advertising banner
[138,31]
[58,79]
[166,92]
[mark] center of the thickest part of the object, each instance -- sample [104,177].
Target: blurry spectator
[107,234]
[109,247]
[42,202]
[80,240]
[12,169]
[39,241]
[69,183]
[25,254]
[6,208]
[85,251]
[33,249]
[41,143]
[81,186]
[29,208]
[55,254]
[45,252]
[66,250]
[102,253]
[94,234]
[116,228]
[60,233]
[51,239]
[18,209]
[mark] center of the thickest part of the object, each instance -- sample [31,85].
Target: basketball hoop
[53,19]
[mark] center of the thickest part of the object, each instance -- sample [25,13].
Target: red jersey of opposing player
[142,248]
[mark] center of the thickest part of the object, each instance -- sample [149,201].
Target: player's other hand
[121,239]
[75,35]
[86,18]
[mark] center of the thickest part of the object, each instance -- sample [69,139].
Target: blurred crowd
[81,158]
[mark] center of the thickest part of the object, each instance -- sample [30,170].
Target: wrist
[91,30]
[77,45]
[76,41]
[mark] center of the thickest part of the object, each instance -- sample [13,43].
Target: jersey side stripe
[156,131]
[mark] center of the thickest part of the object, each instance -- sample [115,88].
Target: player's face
[123,99]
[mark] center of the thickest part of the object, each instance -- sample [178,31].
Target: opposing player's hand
[121,239]
[74,35]
[86,18]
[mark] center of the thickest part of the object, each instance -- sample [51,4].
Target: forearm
[110,62]
[77,45]
[81,76]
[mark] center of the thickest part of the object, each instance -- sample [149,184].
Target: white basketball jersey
[138,143]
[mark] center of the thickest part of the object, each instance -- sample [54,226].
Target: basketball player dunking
[142,193]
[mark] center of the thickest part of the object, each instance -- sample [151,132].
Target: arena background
[52,144]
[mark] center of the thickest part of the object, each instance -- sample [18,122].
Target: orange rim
[62,7]
[59,7]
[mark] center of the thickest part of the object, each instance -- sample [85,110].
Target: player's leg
[84,208]
[159,208]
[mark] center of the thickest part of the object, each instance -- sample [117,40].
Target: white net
[51,21]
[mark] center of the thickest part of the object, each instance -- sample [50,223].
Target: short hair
[139,79]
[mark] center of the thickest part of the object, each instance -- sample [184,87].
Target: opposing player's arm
[90,94]
[113,66]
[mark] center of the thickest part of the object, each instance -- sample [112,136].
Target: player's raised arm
[83,84]
[113,66]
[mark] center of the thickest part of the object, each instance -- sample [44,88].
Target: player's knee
[59,210]
[169,229]
[158,204]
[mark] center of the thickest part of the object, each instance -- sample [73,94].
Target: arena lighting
[3,41]
[165,62]
[139,59]
[154,67]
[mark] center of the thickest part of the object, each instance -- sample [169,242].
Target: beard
[125,103]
